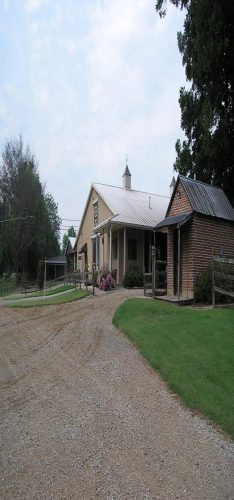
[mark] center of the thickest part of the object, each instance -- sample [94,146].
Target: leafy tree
[33,228]
[207,107]
[71,232]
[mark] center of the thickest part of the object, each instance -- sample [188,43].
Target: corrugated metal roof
[133,207]
[207,199]
[58,260]
[174,220]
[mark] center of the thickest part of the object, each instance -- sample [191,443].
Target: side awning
[174,221]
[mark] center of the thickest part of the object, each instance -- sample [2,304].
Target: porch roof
[175,220]
[59,260]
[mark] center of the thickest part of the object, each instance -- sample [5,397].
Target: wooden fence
[222,277]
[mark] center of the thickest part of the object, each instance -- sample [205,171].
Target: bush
[105,280]
[203,287]
[133,279]
[95,275]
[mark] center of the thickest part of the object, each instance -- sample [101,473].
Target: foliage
[40,274]
[203,287]
[95,276]
[133,279]
[192,349]
[33,229]
[207,107]
[105,280]
[71,232]
[8,283]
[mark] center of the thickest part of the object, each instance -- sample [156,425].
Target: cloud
[99,80]
[31,6]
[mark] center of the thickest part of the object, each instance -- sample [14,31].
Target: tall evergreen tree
[207,107]
[31,225]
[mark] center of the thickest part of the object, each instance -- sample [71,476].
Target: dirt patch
[84,416]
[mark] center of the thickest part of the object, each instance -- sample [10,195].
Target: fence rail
[222,277]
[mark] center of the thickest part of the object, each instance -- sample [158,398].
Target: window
[115,249]
[132,249]
[96,251]
[95,215]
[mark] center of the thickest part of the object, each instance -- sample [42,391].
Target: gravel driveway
[85,417]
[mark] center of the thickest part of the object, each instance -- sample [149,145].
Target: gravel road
[83,416]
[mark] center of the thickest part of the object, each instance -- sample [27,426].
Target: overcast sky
[87,82]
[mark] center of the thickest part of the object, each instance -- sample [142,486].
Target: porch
[126,248]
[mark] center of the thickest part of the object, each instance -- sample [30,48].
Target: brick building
[199,221]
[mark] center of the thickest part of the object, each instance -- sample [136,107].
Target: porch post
[117,277]
[124,252]
[96,263]
[178,269]
[103,249]
[110,250]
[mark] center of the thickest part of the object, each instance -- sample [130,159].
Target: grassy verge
[59,299]
[48,292]
[192,349]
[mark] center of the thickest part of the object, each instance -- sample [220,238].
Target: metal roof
[207,199]
[59,260]
[132,207]
[175,220]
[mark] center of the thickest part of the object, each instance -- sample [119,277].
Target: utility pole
[45,279]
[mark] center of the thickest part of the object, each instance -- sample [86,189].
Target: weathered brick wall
[200,238]
[170,262]
[186,269]
[210,235]
[187,260]
[180,203]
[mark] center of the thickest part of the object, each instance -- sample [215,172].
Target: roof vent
[126,178]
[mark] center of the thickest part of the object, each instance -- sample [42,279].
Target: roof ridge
[197,181]
[129,190]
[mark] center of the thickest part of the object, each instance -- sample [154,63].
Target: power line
[17,218]
[72,220]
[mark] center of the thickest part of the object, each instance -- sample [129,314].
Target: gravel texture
[83,416]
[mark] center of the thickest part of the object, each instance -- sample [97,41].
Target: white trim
[110,249]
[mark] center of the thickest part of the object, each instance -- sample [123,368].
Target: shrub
[95,275]
[105,280]
[203,287]
[133,279]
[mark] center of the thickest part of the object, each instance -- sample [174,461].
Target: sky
[89,83]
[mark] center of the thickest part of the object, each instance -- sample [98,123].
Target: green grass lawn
[57,299]
[192,349]
[52,291]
